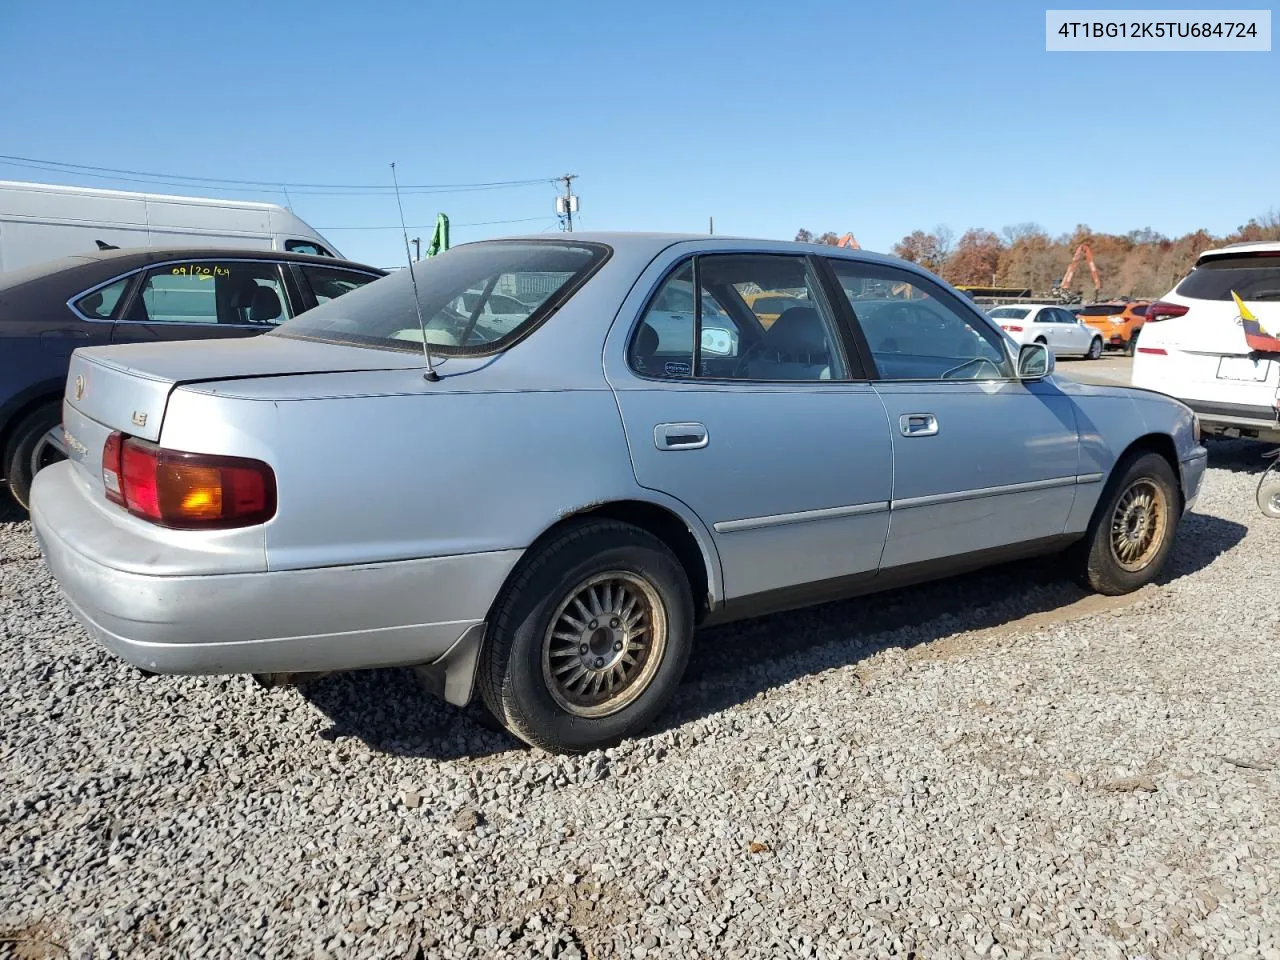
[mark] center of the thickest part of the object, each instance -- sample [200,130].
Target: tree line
[1140,263]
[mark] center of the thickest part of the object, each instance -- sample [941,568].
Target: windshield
[1101,310]
[468,297]
[1008,313]
[1251,276]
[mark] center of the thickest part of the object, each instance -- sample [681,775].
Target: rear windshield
[467,295]
[1251,276]
[1008,313]
[1101,310]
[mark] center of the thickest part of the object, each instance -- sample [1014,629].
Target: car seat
[643,347]
[265,306]
[795,347]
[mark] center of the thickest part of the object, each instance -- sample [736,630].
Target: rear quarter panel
[415,469]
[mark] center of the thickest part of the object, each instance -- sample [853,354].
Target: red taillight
[1163,310]
[1011,329]
[1154,351]
[186,490]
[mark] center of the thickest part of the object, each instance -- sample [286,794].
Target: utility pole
[417,248]
[567,205]
[711,225]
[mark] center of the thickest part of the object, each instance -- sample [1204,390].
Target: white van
[42,221]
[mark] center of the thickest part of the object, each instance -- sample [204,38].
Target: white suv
[1193,345]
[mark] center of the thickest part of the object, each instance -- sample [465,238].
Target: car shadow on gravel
[1238,456]
[10,512]
[732,664]
[392,713]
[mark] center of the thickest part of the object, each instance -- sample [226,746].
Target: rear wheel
[1269,492]
[1131,533]
[588,643]
[31,448]
[1095,349]
[1131,347]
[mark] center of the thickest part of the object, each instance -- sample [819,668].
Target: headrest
[798,330]
[646,342]
[265,306]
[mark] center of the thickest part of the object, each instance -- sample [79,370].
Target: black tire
[1268,495]
[1042,340]
[1096,559]
[1095,349]
[513,675]
[26,451]
[1131,347]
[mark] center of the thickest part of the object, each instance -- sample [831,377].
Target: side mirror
[1035,361]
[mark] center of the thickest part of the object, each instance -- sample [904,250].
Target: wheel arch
[22,405]
[1158,443]
[683,536]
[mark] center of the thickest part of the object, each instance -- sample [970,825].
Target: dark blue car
[126,296]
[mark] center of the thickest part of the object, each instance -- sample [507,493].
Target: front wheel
[1269,492]
[589,641]
[1131,533]
[1095,349]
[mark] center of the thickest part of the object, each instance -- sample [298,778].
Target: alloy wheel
[1139,524]
[604,644]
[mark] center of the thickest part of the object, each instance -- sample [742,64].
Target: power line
[427,226]
[259,186]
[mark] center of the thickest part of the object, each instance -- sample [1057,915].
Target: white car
[1193,345]
[1056,327]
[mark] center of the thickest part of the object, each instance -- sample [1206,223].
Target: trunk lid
[126,387]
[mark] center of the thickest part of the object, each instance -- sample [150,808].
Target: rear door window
[234,292]
[1251,276]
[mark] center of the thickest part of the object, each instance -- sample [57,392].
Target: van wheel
[30,449]
[589,641]
[1131,533]
[1095,349]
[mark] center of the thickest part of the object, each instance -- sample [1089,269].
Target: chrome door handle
[680,436]
[918,424]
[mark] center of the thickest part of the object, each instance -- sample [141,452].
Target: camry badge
[79,386]
[139,418]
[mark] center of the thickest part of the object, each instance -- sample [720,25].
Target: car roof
[133,256]
[653,243]
[128,258]
[1252,246]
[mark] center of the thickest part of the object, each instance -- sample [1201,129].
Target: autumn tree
[804,236]
[830,238]
[976,259]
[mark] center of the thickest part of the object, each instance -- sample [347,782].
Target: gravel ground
[997,765]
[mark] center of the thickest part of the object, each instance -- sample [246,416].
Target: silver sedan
[544,505]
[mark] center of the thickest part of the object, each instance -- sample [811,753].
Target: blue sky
[875,118]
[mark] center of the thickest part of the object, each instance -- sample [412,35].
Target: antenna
[417,304]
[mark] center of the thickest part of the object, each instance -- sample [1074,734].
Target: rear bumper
[427,611]
[1260,422]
